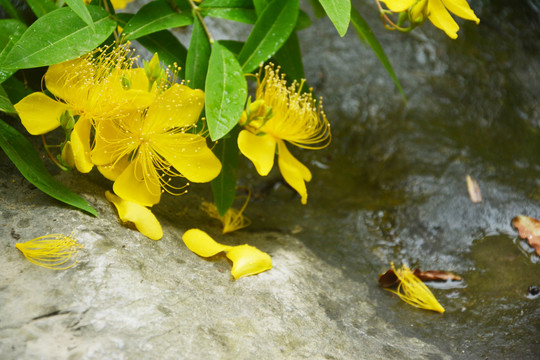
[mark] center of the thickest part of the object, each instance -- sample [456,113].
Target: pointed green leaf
[5,104]
[318,10]
[41,7]
[197,57]
[58,36]
[224,186]
[236,10]
[339,12]
[79,7]
[10,9]
[156,16]
[10,31]
[15,89]
[364,32]
[169,49]
[226,92]
[271,30]
[26,159]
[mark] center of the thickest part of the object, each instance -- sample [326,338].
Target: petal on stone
[294,172]
[248,260]
[80,144]
[143,219]
[202,244]
[462,9]
[177,107]
[131,185]
[440,17]
[398,5]
[189,154]
[260,149]
[39,113]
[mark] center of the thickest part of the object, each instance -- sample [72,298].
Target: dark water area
[391,187]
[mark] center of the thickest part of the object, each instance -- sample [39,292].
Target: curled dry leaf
[389,278]
[529,228]
[474,190]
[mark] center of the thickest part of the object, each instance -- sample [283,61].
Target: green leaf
[79,7]
[58,36]
[41,7]
[10,9]
[197,57]
[303,22]
[339,12]
[224,186]
[27,160]
[226,92]
[169,49]
[233,46]
[318,10]
[10,31]
[5,104]
[156,16]
[289,58]
[271,30]
[364,32]
[236,10]
[15,89]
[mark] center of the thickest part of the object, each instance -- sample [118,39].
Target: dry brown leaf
[389,278]
[474,190]
[529,228]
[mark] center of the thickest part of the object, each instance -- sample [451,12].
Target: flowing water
[391,187]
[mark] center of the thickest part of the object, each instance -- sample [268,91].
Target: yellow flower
[413,291]
[97,86]
[142,151]
[280,114]
[437,12]
[247,260]
[55,251]
[143,219]
[232,220]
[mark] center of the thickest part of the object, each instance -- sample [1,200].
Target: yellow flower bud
[418,13]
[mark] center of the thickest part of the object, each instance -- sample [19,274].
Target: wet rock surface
[391,187]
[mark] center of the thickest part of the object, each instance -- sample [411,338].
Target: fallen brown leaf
[389,278]
[474,190]
[529,228]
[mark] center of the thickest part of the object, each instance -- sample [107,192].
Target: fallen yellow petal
[143,219]
[248,260]
[202,244]
[413,291]
[55,251]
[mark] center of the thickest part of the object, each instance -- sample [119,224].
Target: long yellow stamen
[413,291]
[232,220]
[55,251]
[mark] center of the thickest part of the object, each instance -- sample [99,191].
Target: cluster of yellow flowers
[138,127]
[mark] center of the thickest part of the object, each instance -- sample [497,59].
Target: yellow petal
[39,113]
[189,154]
[80,144]
[248,260]
[177,107]
[113,171]
[132,185]
[398,5]
[143,219]
[294,172]
[260,149]
[112,142]
[440,17]
[202,244]
[462,9]
[69,80]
